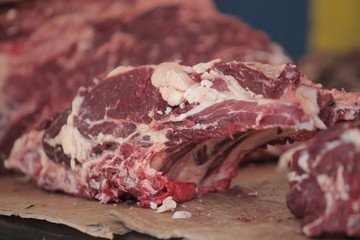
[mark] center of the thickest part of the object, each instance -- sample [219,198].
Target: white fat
[176,86]
[102,197]
[193,111]
[151,114]
[75,107]
[31,141]
[259,117]
[188,69]
[199,94]
[289,75]
[168,110]
[303,161]
[202,67]
[181,215]
[78,147]
[153,205]
[307,97]
[286,158]
[351,136]
[172,96]
[306,126]
[206,83]
[73,142]
[326,186]
[341,185]
[91,123]
[270,71]
[208,76]
[180,81]
[147,186]
[307,229]
[331,145]
[172,81]
[105,138]
[147,170]
[50,141]
[44,161]
[159,77]
[155,136]
[129,182]
[203,93]
[94,184]
[324,181]
[167,205]
[199,126]
[294,177]
[96,80]
[119,70]
[208,97]
[236,91]
[328,146]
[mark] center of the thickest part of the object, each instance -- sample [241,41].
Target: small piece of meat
[324,182]
[165,130]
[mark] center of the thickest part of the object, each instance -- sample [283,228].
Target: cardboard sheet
[22,198]
[235,214]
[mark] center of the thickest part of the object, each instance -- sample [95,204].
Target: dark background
[285,20]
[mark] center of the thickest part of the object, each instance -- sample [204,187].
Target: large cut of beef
[325,182]
[48,49]
[156,131]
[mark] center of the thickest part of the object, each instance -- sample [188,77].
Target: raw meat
[153,132]
[324,182]
[48,49]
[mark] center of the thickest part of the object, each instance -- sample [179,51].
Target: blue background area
[285,20]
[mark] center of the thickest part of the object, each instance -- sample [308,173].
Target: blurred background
[322,36]
[299,26]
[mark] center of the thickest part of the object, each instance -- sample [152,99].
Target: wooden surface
[234,214]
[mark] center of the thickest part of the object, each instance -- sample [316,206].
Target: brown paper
[24,199]
[235,214]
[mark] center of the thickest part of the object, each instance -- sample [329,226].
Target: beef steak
[156,131]
[324,182]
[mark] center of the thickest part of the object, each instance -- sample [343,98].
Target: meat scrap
[48,49]
[324,182]
[156,131]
